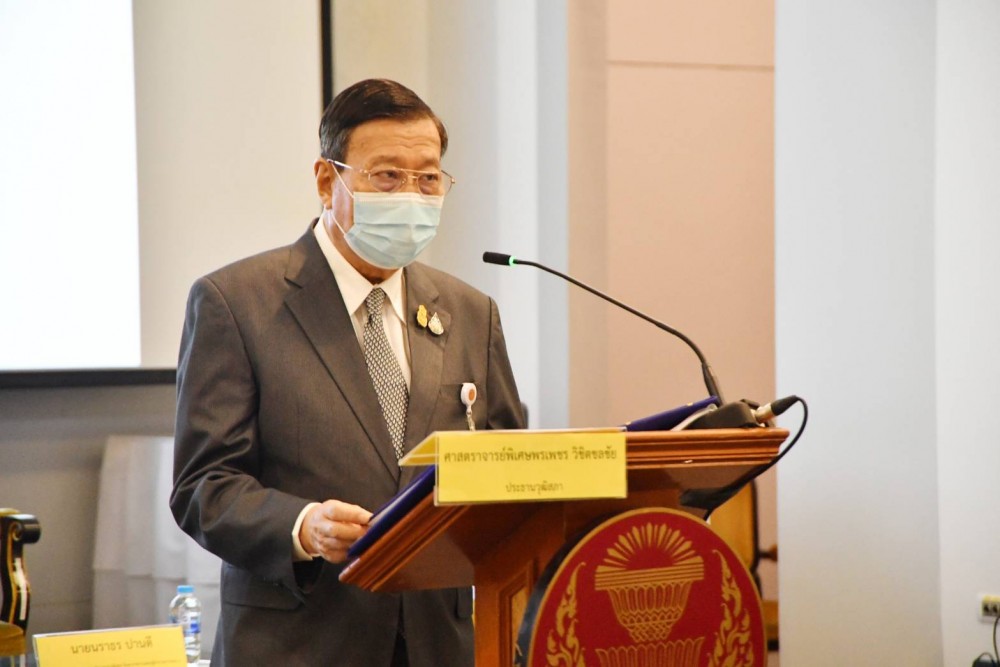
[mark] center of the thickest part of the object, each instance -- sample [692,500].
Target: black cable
[788,448]
[996,655]
[719,496]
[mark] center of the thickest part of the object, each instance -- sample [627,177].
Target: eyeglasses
[433,183]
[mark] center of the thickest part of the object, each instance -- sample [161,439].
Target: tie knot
[374,302]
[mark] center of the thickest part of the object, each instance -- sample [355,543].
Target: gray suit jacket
[276,409]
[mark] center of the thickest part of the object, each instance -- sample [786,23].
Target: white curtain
[140,554]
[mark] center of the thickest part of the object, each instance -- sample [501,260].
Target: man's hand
[329,529]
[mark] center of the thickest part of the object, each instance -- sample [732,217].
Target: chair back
[16,530]
[735,521]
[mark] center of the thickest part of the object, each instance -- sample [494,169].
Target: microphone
[766,413]
[711,384]
[739,414]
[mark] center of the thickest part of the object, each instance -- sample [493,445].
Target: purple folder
[664,421]
[389,514]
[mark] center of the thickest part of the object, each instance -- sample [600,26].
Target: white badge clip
[468,396]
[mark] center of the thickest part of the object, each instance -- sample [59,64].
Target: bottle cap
[185,588]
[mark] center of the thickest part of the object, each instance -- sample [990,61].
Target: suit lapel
[426,359]
[319,309]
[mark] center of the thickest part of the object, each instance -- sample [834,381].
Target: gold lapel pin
[435,325]
[422,316]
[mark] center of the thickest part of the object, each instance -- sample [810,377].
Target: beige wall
[51,446]
[671,119]
[672,200]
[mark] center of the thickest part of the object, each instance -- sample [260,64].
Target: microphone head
[498,258]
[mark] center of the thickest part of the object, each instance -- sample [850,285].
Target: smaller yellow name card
[498,466]
[149,646]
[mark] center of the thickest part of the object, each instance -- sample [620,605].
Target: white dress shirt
[355,288]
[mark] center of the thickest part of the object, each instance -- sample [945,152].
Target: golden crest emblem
[422,316]
[659,589]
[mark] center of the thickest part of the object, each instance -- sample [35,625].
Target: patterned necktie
[390,386]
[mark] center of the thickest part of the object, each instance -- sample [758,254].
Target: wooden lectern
[502,548]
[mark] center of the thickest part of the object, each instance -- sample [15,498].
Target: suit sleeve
[504,404]
[217,497]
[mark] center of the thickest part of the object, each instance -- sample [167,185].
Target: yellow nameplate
[149,646]
[498,466]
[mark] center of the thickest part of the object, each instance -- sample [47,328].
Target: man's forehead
[385,138]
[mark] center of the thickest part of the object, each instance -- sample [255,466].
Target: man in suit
[305,372]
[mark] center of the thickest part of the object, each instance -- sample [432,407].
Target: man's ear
[323,171]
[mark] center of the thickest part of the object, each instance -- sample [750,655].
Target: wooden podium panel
[502,548]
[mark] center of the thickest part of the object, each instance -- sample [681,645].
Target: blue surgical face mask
[391,228]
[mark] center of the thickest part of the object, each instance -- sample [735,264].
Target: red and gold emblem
[647,588]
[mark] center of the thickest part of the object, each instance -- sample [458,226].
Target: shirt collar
[354,287]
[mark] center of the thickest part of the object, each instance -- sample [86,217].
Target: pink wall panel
[716,32]
[690,232]
[671,135]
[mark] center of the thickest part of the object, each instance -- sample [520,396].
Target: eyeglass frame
[412,176]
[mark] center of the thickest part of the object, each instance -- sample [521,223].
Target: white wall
[552,46]
[68,186]
[967,273]
[486,81]
[855,317]
[888,229]
[495,78]
[384,40]
[221,127]
[228,99]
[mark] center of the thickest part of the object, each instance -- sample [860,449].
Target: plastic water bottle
[185,611]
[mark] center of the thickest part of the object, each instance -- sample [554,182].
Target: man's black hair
[367,100]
